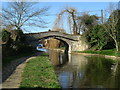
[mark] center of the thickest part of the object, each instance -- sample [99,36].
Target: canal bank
[106,54]
[86,53]
[15,80]
[11,73]
[78,71]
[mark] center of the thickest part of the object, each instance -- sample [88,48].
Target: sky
[56,7]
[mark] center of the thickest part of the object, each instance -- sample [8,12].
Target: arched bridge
[72,42]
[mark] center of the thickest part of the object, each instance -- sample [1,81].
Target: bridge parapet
[54,34]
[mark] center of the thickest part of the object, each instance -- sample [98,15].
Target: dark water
[77,71]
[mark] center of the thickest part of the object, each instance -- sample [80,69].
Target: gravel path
[12,73]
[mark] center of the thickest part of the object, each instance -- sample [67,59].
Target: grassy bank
[110,52]
[39,72]
[8,59]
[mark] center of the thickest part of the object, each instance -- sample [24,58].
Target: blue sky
[56,7]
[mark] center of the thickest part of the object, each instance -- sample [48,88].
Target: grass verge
[39,72]
[110,52]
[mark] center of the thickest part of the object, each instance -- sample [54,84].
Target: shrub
[6,36]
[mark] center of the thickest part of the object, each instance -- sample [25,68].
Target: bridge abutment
[79,46]
[70,49]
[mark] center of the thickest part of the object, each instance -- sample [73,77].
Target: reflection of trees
[74,69]
[91,72]
[117,75]
[98,73]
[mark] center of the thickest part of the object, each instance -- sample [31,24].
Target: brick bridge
[72,42]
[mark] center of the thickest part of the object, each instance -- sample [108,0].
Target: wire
[89,11]
[77,13]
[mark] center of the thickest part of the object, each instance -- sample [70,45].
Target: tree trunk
[74,25]
[116,45]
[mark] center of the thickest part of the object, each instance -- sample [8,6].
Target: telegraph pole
[102,17]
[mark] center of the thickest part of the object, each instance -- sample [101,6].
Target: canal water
[77,71]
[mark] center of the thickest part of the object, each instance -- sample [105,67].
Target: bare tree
[71,14]
[111,28]
[58,24]
[70,23]
[19,14]
[112,24]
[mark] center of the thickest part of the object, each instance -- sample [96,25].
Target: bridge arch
[66,43]
[72,42]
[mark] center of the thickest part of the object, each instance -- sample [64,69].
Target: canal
[78,71]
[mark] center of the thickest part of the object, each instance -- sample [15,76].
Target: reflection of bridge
[72,42]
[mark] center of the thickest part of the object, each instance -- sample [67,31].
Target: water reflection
[77,71]
[71,74]
[85,72]
[57,58]
[98,73]
[42,49]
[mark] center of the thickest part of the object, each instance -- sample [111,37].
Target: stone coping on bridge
[53,32]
